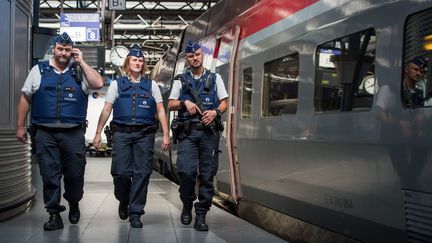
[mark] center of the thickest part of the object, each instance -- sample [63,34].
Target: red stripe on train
[268,12]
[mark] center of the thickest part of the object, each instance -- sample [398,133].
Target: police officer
[136,101]
[57,94]
[198,149]
[413,90]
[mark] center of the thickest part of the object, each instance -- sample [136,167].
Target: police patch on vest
[207,101]
[69,98]
[144,105]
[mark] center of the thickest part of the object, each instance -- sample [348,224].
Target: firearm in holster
[177,127]
[212,126]
[84,126]
[108,134]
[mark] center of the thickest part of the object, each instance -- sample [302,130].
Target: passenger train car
[318,141]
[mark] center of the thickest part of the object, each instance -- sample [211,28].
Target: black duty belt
[57,129]
[133,128]
[198,126]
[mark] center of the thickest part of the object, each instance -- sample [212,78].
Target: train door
[225,63]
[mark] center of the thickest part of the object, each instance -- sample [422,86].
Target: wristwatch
[182,103]
[218,112]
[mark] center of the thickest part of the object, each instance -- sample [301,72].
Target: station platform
[100,222]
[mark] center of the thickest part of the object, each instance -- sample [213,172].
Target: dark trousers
[132,165]
[198,157]
[61,152]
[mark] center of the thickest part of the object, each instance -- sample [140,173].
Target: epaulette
[44,67]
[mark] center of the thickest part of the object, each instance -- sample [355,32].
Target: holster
[84,126]
[177,127]
[108,134]
[218,124]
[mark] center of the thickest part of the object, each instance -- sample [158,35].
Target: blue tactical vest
[59,98]
[208,95]
[135,104]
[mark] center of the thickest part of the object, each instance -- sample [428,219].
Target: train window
[416,85]
[247,93]
[345,73]
[280,89]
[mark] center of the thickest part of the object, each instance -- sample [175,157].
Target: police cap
[63,39]
[135,52]
[192,47]
[419,61]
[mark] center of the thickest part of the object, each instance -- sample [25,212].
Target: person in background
[56,91]
[199,143]
[136,102]
[413,92]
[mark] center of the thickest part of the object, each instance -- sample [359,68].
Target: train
[319,145]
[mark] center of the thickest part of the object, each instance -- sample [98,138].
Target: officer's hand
[77,55]
[21,135]
[165,142]
[97,141]
[192,107]
[208,117]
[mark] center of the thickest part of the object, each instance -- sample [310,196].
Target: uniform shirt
[33,80]
[220,87]
[112,93]
[386,99]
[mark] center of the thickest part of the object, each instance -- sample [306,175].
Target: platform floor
[100,223]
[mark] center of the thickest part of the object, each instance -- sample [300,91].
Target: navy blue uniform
[59,109]
[133,147]
[198,151]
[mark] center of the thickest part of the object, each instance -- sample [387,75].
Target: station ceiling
[152,25]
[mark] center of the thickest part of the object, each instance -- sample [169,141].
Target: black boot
[55,222]
[135,221]
[123,210]
[200,223]
[186,214]
[74,213]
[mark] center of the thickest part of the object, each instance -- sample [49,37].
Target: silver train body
[319,156]
[16,189]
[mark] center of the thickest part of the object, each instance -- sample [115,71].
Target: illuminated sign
[325,57]
[80,27]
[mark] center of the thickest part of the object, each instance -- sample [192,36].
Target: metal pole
[61,6]
[36,6]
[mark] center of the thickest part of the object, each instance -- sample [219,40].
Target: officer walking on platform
[136,101]
[200,98]
[56,91]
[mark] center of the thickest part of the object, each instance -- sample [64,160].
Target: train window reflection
[280,89]
[247,93]
[416,81]
[345,73]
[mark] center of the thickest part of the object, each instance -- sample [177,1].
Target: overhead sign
[117,5]
[80,27]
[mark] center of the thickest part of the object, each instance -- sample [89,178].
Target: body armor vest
[206,89]
[59,98]
[135,104]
